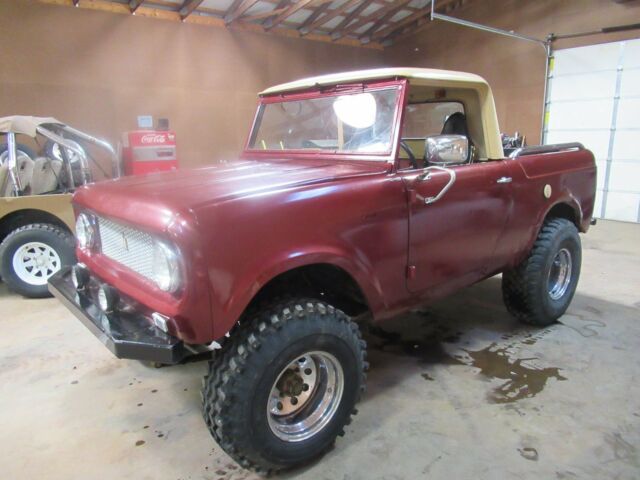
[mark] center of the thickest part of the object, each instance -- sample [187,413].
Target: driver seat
[456,124]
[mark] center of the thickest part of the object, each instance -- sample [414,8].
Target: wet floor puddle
[521,377]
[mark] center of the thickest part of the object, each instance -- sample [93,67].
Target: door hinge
[411,272]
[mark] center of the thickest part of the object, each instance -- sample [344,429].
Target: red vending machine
[147,151]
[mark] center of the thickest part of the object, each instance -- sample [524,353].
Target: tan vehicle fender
[58,205]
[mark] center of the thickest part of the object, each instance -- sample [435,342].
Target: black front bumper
[126,334]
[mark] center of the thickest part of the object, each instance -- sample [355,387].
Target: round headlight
[166,267]
[84,231]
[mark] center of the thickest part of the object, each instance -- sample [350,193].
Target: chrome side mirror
[446,149]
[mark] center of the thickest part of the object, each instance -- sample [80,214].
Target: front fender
[228,311]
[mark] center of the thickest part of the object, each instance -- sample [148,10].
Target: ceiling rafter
[412,24]
[134,5]
[281,4]
[188,6]
[384,20]
[368,23]
[352,16]
[362,21]
[329,16]
[261,16]
[314,16]
[236,11]
[388,30]
[290,11]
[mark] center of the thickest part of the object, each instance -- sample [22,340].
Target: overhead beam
[238,11]
[416,22]
[134,5]
[366,36]
[299,5]
[385,32]
[372,17]
[330,16]
[314,16]
[188,7]
[206,20]
[281,4]
[262,15]
[352,16]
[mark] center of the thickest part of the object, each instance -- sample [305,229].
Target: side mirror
[446,149]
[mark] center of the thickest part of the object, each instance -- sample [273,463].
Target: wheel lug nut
[279,406]
[294,401]
[305,387]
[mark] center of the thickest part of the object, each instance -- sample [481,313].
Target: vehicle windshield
[359,122]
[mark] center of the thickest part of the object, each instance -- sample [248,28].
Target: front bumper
[126,334]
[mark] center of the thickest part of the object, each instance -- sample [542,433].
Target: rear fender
[565,198]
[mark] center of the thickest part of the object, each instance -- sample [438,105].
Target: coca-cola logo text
[153,138]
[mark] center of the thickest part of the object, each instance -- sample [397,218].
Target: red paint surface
[242,223]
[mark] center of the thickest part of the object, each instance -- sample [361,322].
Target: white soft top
[471,89]
[24,124]
[415,75]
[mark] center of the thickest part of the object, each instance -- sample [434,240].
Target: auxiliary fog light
[107,298]
[79,276]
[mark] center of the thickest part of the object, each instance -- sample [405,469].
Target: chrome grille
[128,246]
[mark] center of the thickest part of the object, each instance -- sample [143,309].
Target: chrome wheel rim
[560,274]
[305,396]
[35,262]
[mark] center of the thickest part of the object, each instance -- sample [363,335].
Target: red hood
[153,200]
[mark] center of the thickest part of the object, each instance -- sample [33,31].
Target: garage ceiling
[367,23]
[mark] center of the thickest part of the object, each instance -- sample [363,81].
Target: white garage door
[594,98]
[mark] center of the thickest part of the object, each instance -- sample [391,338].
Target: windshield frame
[331,91]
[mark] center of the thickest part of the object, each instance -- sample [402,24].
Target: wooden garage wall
[514,68]
[98,71]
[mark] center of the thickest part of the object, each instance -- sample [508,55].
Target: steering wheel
[407,150]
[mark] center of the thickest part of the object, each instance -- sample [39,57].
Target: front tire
[31,254]
[285,385]
[540,289]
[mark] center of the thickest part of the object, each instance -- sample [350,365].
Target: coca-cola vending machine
[147,151]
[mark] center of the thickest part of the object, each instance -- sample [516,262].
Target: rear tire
[263,410]
[31,254]
[540,289]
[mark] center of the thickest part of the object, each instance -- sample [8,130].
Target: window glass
[423,120]
[359,122]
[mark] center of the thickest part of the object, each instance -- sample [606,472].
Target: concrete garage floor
[458,390]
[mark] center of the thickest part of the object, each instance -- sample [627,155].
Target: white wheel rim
[35,262]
